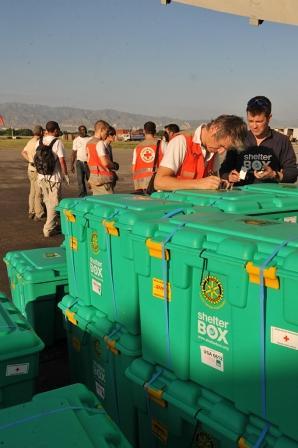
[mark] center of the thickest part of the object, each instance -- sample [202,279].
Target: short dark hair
[150,127]
[111,131]
[259,105]
[230,126]
[82,126]
[52,126]
[172,127]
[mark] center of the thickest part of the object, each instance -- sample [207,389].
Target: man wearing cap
[51,184]
[36,210]
[268,156]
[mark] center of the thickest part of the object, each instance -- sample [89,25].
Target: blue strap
[109,252]
[165,294]
[114,331]
[72,263]
[263,340]
[154,377]
[31,418]
[262,436]
[173,213]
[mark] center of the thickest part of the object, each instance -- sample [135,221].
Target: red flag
[1,120]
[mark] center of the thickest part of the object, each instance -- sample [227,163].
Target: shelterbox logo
[213,329]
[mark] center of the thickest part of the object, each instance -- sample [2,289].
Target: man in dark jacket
[268,155]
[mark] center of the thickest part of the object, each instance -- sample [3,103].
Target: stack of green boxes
[216,325]
[102,308]
[67,417]
[38,281]
[19,354]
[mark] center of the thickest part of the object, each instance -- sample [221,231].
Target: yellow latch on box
[70,315]
[155,249]
[69,216]
[156,396]
[110,227]
[270,278]
[73,243]
[111,344]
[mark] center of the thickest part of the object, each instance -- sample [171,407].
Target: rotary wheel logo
[147,154]
[203,440]
[94,242]
[212,292]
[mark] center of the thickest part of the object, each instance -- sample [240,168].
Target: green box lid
[274,188]
[68,417]
[237,201]
[17,338]
[38,265]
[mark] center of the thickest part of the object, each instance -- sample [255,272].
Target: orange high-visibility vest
[194,166]
[95,166]
[144,163]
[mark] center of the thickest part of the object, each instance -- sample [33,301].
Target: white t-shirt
[58,150]
[176,151]
[79,146]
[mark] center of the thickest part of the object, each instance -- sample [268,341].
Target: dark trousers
[83,175]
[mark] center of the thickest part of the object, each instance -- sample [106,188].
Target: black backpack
[44,159]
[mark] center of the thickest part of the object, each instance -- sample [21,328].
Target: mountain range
[19,115]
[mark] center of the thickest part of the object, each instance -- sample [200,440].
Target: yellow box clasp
[111,345]
[69,216]
[70,315]
[155,249]
[73,243]
[110,227]
[242,443]
[156,396]
[270,278]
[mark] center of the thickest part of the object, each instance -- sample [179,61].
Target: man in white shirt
[36,210]
[189,163]
[51,183]
[79,155]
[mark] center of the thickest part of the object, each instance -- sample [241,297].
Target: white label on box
[212,358]
[100,390]
[291,219]
[17,369]
[99,372]
[96,286]
[285,338]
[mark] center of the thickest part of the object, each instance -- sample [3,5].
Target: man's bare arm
[165,180]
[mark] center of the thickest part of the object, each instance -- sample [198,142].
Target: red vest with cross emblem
[144,163]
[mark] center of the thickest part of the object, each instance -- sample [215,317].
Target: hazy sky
[139,56]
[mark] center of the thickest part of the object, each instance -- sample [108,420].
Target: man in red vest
[99,161]
[189,161]
[146,158]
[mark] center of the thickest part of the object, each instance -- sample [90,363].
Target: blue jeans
[83,175]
